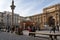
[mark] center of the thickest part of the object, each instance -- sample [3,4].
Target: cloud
[32,7]
[1,4]
[24,12]
[52,3]
[27,7]
[4,5]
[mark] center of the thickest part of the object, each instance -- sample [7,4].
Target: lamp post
[12,8]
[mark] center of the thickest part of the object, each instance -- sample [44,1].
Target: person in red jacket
[30,30]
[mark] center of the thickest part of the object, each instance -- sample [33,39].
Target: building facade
[3,20]
[42,19]
[6,18]
[9,19]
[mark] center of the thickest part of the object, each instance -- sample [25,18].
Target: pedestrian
[53,29]
[8,28]
[33,30]
[58,27]
[13,28]
[20,31]
[30,30]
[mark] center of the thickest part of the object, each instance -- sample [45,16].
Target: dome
[28,19]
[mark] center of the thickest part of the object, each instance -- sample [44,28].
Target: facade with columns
[9,19]
[43,18]
[6,17]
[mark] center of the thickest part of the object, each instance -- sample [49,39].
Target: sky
[27,7]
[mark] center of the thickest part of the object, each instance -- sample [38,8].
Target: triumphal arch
[52,11]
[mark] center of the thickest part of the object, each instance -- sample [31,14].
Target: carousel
[27,23]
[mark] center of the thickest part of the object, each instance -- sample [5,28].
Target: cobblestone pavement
[48,32]
[11,36]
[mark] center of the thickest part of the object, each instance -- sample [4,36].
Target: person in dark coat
[52,24]
[30,30]
[8,28]
[58,27]
[53,29]
[12,29]
[20,31]
[33,30]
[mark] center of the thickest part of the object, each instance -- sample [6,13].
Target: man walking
[58,27]
[53,29]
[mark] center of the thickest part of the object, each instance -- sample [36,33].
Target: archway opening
[51,21]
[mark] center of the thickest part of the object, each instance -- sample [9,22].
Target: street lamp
[12,8]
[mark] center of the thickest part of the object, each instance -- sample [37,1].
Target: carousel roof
[28,22]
